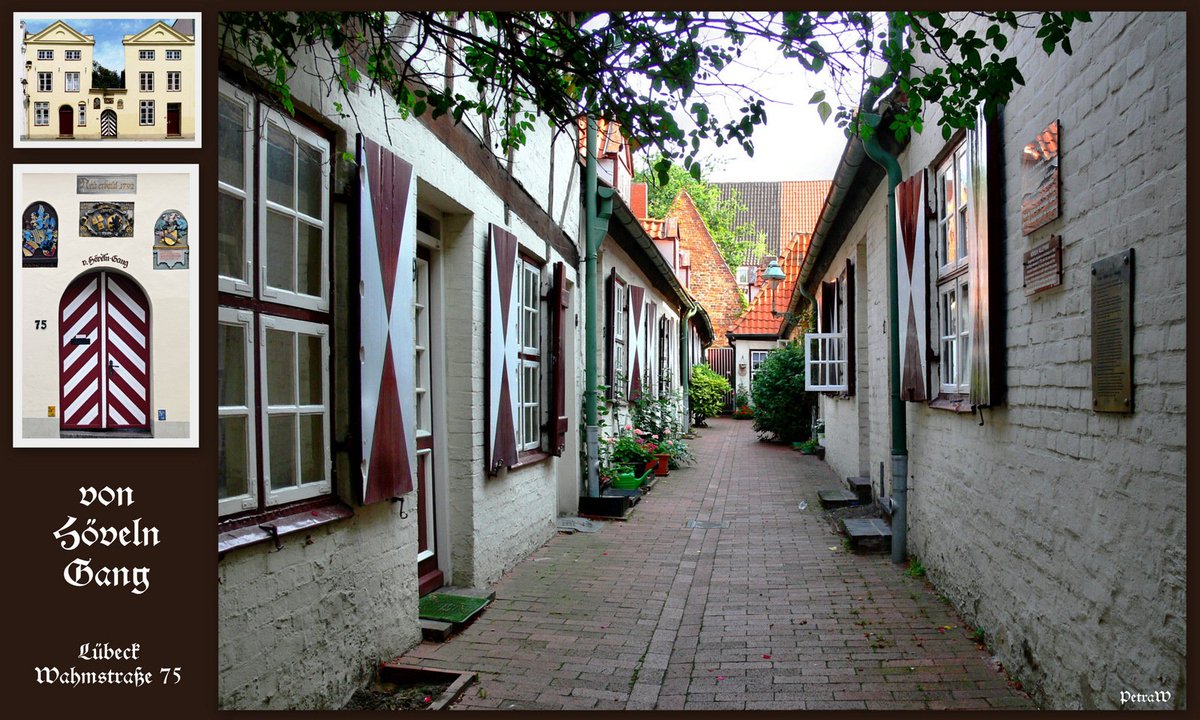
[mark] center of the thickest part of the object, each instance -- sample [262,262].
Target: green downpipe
[899,418]
[685,369]
[592,236]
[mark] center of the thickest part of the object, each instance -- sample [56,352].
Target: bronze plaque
[1112,333]
[1039,180]
[1043,266]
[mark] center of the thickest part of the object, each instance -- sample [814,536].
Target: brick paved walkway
[768,613]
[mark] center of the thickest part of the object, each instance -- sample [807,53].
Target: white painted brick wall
[1057,530]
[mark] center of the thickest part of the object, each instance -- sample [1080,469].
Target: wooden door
[429,573]
[104,354]
[108,124]
[173,118]
[66,121]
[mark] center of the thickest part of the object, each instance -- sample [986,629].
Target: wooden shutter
[386,259]
[985,293]
[851,338]
[502,339]
[558,303]
[635,341]
[913,289]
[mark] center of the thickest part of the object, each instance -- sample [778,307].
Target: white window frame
[249,499]
[41,114]
[45,81]
[143,107]
[422,365]
[145,54]
[72,55]
[174,81]
[174,54]
[826,359]
[83,115]
[620,322]
[529,329]
[299,135]
[954,353]
[67,78]
[242,286]
[312,489]
[146,81]
[760,355]
[45,54]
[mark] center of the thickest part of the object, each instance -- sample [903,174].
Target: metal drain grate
[450,608]
[706,524]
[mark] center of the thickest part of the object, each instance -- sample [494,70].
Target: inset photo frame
[105,306]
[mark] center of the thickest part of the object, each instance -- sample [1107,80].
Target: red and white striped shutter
[558,303]
[912,248]
[503,316]
[387,257]
[126,344]
[637,357]
[104,354]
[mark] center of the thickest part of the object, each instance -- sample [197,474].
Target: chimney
[638,199]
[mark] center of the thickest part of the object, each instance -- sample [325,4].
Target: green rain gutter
[899,416]
[597,211]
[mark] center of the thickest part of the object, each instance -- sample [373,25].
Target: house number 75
[39,324]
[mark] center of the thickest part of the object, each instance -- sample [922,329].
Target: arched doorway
[108,124]
[104,354]
[66,121]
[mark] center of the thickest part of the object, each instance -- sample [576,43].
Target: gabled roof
[184,26]
[778,209]
[60,32]
[759,318]
[609,140]
[158,33]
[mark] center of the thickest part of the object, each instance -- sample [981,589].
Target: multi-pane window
[146,81]
[422,365]
[71,82]
[620,323]
[664,356]
[756,359]
[145,54]
[45,54]
[826,352]
[955,211]
[146,112]
[174,54]
[82,115]
[274,374]
[530,354]
[41,113]
[73,54]
[173,80]
[45,82]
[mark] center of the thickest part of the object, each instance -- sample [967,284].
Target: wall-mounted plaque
[1039,180]
[114,219]
[171,241]
[1043,266]
[1112,333]
[106,184]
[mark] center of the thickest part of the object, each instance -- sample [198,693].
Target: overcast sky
[108,33]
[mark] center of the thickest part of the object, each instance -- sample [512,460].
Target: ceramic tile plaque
[1039,180]
[1112,333]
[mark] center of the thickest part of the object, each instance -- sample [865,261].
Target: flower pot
[662,466]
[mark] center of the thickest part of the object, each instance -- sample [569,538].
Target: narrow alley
[768,611]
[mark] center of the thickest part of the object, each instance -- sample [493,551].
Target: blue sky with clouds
[108,33]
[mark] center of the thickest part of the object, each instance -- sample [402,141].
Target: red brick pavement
[770,613]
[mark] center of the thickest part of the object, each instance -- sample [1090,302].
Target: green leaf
[824,110]
[817,97]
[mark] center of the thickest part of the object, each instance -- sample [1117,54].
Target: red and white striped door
[104,351]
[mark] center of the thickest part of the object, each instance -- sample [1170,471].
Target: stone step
[837,498]
[861,486]
[868,534]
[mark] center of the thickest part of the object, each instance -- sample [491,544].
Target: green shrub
[782,408]
[706,392]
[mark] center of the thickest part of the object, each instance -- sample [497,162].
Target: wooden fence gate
[721,361]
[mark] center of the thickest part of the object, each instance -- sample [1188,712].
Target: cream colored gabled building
[58,77]
[160,82]
[157,102]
